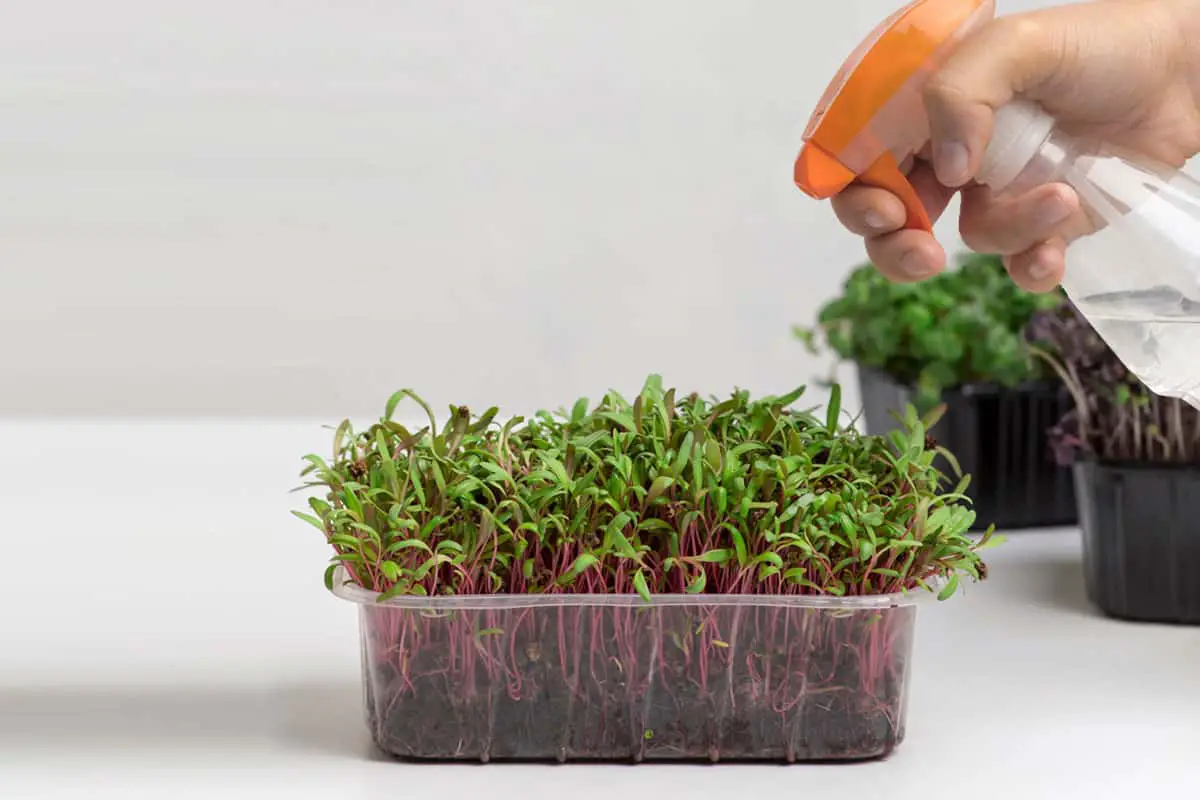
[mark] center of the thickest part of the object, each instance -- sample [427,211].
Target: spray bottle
[1136,274]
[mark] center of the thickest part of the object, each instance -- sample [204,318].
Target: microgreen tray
[575,677]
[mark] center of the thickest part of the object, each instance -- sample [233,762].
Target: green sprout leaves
[960,327]
[1116,417]
[658,495]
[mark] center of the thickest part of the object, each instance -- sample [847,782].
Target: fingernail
[1042,265]
[1039,270]
[951,162]
[914,264]
[1053,210]
[875,220]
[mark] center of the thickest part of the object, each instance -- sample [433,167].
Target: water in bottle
[1134,273]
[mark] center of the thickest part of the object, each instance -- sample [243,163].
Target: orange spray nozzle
[871,116]
[819,174]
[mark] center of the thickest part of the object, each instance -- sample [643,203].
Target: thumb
[1009,56]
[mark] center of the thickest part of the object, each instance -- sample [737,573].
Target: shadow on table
[1057,582]
[324,718]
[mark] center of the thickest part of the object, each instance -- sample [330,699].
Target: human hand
[1123,71]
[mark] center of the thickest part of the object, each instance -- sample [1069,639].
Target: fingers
[878,216]
[1003,225]
[907,255]
[1006,57]
[1031,231]
[869,212]
[1041,267]
[933,194]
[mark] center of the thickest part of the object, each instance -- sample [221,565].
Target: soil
[582,684]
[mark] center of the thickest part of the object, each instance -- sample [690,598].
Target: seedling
[703,578]
[1116,418]
[963,326]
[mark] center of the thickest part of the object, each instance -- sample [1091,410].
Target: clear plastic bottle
[1135,272]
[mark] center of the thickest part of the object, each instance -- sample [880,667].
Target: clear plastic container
[1134,271]
[614,678]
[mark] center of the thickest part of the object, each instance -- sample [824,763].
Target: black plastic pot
[1141,540]
[999,437]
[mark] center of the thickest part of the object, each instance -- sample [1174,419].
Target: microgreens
[658,495]
[960,327]
[1116,418]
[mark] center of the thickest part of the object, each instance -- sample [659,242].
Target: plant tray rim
[346,590]
[974,388]
[1136,466]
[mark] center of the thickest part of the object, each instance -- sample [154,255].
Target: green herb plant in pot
[958,339]
[1136,458]
[671,578]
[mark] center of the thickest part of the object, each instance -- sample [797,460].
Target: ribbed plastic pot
[614,678]
[1000,437]
[1141,540]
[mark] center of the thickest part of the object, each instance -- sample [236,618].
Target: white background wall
[242,206]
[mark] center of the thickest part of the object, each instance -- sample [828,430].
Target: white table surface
[164,634]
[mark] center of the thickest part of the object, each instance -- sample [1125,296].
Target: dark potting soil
[625,690]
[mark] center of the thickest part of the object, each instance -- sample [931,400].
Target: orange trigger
[885,174]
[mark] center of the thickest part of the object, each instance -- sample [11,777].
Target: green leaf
[772,559]
[684,453]
[399,431]
[639,585]
[990,540]
[584,562]
[352,502]
[311,520]
[799,577]
[739,544]
[791,397]
[438,477]
[834,408]
[407,544]
[556,467]
[712,455]
[392,402]
[616,540]
[866,549]
[660,485]
[579,412]
[623,420]
[949,589]
[343,540]
[714,557]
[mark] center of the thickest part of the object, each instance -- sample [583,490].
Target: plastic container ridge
[574,677]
